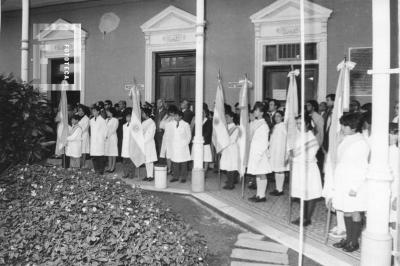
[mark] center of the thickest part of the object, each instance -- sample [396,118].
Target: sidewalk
[269,218]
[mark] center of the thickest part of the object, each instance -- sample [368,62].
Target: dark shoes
[341,244]
[174,179]
[305,222]
[228,187]
[257,199]
[145,179]
[252,185]
[150,179]
[276,193]
[183,180]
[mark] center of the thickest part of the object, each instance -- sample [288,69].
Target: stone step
[261,245]
[260,256]
[251,236]
[243,263]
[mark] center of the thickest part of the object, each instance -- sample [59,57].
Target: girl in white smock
[348,190]
[258,162]
[111,145]
[149,130]
[307,185]
[277,149]
[74,143]
[84,122]
[230,155]
[167,123]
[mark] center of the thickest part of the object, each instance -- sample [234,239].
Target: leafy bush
[25,123]
[53,216]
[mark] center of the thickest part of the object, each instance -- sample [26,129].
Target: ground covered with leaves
[53,216]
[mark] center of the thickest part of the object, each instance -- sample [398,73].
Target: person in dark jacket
[187,113]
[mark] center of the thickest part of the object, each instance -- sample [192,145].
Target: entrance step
[251,236]
[261,245]
[242,263]
[260,256]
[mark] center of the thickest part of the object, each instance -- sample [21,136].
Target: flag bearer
[311,188]
[74,142]
[277,149]
[349,190]
[230,155]
[98,131]
[180,154]
[128,167]
[84,121]
[258,162]
[149,130]
[111,145]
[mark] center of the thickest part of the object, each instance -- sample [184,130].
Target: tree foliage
[25,123]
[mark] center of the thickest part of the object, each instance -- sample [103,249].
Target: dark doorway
[276,78]
[57,76]
[176,76]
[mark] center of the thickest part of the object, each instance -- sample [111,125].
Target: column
[25,41]
[376,241]
[197,149]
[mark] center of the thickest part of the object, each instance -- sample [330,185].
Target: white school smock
[84,124]
[111,145]
[277,148]
[350,174]
[230,155]
[74,142]
[181,137]
[167,141]
[258,163]
[149,130]
[98,131]
[126,135]
[312,186]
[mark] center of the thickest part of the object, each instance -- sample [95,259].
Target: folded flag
[220,135]
[136,141]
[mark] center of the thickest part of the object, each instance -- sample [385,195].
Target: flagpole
[302,168]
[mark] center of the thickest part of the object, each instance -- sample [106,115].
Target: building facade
[155,44]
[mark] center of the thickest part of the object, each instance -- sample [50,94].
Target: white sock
[261,187]
[149,169]
[340,220]
[279,180]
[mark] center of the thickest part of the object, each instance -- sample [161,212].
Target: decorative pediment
[282,10]
[171,18]
[59,30]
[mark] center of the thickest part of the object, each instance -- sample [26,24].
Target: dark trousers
[128,168]
[180,170]
[65,161]
[232,178]
[158,140]
[320,162]
[99,163]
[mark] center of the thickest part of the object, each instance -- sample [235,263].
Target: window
[289,51]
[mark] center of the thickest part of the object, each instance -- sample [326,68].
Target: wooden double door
[176,76]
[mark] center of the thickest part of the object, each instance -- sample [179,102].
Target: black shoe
[145,179]
[258,199]
[150,179]
[254,198]
[125,176]
[305,222]
[228,187]
[183,180]
[350,247]
[341,244]
[276,193]
[174,180]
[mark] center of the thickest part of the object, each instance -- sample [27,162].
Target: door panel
[167,87]
[188,86]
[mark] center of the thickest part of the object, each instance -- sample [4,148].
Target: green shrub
[53,216]
[25,123]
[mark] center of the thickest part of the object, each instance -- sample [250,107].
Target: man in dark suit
[273,106]
[121,121]
[159,114]
[187,113]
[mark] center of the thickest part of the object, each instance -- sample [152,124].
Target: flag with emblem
[136,141]
[244,126]
[62,126]
[220,135]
